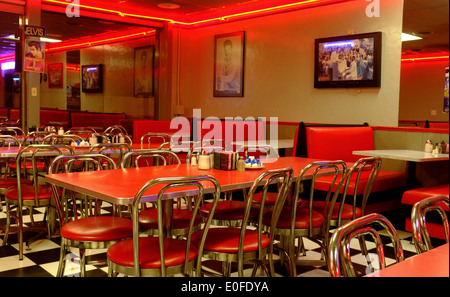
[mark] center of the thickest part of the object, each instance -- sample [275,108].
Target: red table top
[433,263]
[119,186]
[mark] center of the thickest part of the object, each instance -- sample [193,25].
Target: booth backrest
[60,117]
[229,130]
[333,142]
[141,127]
[438,125]
[98,121]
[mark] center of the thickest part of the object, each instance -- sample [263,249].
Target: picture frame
[229,60]
[144,71]
[92,78]
[349,61]
[55,75]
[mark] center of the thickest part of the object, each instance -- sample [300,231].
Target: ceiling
[427,18]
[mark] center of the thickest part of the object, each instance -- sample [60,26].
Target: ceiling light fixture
[252,13]
[409,37]
[168,6]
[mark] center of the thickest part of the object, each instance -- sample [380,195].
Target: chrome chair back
[37,195]
[66,139]
[146,250]
[149,157]
[372,164]
[421,236]
[259,149]
[85,231]
[162,138]
[339,258]
[111,149]
[116,129]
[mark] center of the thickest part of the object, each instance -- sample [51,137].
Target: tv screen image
[92,78]
[348,61]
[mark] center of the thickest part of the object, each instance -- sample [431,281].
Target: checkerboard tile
[42,256]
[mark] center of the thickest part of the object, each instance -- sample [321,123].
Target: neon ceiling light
[92,42]
[300,4]
[421,58]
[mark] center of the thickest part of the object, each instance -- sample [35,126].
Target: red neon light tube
[421,58]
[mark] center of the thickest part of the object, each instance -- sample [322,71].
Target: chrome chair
[114,150]
[343,212]
[149,157]
[339,258]
[242,244]
[164,255]
[162,138]
[88,232]
[66,139]
[298,221]
[420,233]
[116,129]
[30,195]
[8,141]
[269,152]
[148,217]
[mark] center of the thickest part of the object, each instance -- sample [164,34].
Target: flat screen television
[92,78]
[350,61]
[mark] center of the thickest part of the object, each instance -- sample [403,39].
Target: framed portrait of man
[143,71]
[34,56]
[229,60]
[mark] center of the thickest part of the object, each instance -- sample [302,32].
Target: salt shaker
[61,131]
[194,160]
[428,146]
[241,164]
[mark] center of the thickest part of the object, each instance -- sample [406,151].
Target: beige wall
[422,91]
[279,67]
[118,80]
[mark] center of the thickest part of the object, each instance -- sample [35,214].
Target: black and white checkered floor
[42,256]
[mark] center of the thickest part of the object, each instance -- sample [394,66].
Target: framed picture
[34,56]
[92,78]
[55,75]
[143,71]
[229,60]
[351,61]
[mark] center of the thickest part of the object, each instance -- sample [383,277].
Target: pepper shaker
[428,146]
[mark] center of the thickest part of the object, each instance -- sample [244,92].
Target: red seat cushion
[226,240]
[413,196]
[229,210]
[301,218]
[181,218]
[12,181]
[347,212]
[271,197]
[101,228]
[386,180]
[149,255]
[28,193]
[29,165]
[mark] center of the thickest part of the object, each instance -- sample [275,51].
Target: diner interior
[222,138]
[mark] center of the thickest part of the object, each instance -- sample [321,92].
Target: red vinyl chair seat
[101,228]
[12,181]
[29,165]
[301,219]
[229,210]
[226,240]
[386,180]
[149,255]
[347,212]
[181,218]
[413,196]
[271,197]
[44,193]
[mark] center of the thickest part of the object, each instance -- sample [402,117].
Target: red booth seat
[60,117]
[438,125]
[230,131]
[334,142]
[413,196]
[141,127]
[98,121]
